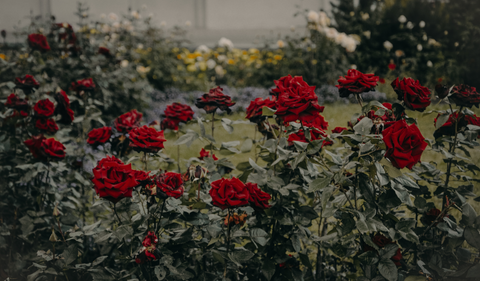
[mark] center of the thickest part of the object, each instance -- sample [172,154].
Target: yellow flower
[253,57]
[175,50]
[191,56]
[2,56]
[191,68]
[202,65]
[269,60]
[230,61]
[314,62]
[179,56]
[253,51]
[245,53]
[277,57]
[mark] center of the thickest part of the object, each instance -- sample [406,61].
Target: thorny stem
[359,99]
[451,151]
[355,187]
[115,211]
[178,156]
[61,232]
[161,214]
[228,243]
[213,127]
[255,140]
[199,187]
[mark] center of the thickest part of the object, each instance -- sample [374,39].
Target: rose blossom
[113,179]
[53,148]
[382,241]
[44,108]
[38,42]
[99,136]
[149,250]
[339,130]
[146,139]
[258,198]
[63,108]
[215,99]
[34,145]
[27,83]
[405,144]
[464,95]
[169,184]
[178,111]
[415,96]
[127,121]
[46,125]
[168,123]
[356,82]
[13,101]
[229,193]
[85,85]
[296,100]
[254,109]
[204,153]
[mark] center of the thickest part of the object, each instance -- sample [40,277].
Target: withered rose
[464,95]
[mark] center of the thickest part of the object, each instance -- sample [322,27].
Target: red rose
[316,133]
[215,99]
[382,81]
[46,125]
[99,136]
[34,145]
[63,108]
[13,101]
[170,184]
[397,257]
[53,148]
[464,95]
[442,91]
[257,198]
[448,129]
[179,112]
[142,177]
[339,130]
[356,82]
[126,122]
[229,193]
[381,241]
[431,215]
[405,144]
[296,100]
[149,251]
[254,109]
[44,108]
[204,153]
[113,179]
[38,42]
[318,122]
[27,83]
[171,124]
[85,85]
[146,139]
[104,51]
[392,66]
[415,96]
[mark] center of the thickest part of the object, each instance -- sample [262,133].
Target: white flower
[410,25]
[312,16]
[419,47]
[136,15]
[433,42]
[122,49]
[226,43]
[203,49]
[140,46]
[103,15]
[163,24]
[353,66]
[429,64]
[211,64]
[222,58]
[124,63]
[116,25]
[142,69]
[114,36]
[92,41]
[365,16]
[199,58]
[105,28]
[388,45]
[330,32]
[340,37]
[349,44]
[425,38]
[456,44]
[323,19]
[280,44]
[402,19]
[219,70]
[445,32]
[421,24]
[113,17]
[188,23]
[367,34]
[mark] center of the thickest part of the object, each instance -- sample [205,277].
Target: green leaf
[297,246]
[226,123]
[259,236]
[472,236]
[362,226]
[160,272]
[389,251]
[187,139]
[266,111]
[240,256]
[364,126]
[256,167]
[99,260]
[268,268]
[391,171]
[319,183]
[441,120]
[388,269]
[246,146]
[70,254]
[368,258]
[87,228]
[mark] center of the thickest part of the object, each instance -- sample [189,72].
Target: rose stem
[160,219]
[178,155]
[199,184]
[61,232]
[228,243]
[115,211]
[213,127]
[145,159]
[452,151]
[255,140]
[355,186]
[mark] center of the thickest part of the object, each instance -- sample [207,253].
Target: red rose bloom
[392,66]
[415,96]
[13,101]
[63,108]
[27,83]
[339,130]
[149,251]
[315,134]
[104,51]
[229,193]
[44,108]
[254,110]
[296,100]
[382,241]
[431,215]
[34,145]
[356,82]
[126,122]
[113,179]
[178,111]
[464,95]
[146,139]
[382,81]
[142,177]
[46,125]
[85,85]
[318,122]
[257,198]
[170,184]
[448,129]
[53,148]
[405,144]
[204,153]
[38,42]
[215,99]
[171,124]
[99,136]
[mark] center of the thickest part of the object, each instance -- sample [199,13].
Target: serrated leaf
[319,183]
[388,269]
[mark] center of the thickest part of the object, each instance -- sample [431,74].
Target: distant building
[245,22]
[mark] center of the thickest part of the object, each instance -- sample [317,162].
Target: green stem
[116,214]
[228,243]
[451,151]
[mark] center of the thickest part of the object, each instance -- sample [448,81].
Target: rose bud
[53,237]
[441,90]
